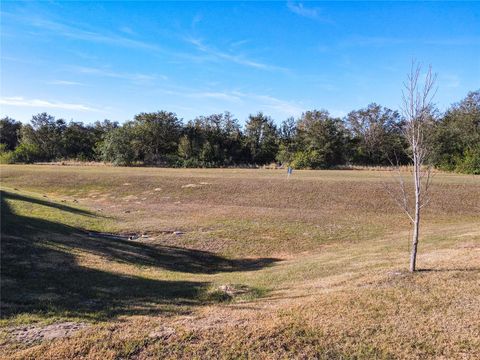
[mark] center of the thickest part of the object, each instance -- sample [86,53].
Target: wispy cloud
[307,12]
[449,80]
[127,30]
[215,95]
[44,104]
[124,38]
[136,77]
[83,32]
[461,41]
[238,43]
[65,82]
[338,113]
[196,20]
[200,94]
[21,60]
[93,36]
[84,55]
[378,41]
[267,102]
[238,59]
[262,102]
[366,41]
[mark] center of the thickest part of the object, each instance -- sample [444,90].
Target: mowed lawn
[234,263]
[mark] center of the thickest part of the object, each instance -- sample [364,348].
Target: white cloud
[338,113]
[238,59]
[465,41]
[267,102]
[119,75]
[196,19]
[21,101]
[127,30]
[199,94]
[65,82]
[236,44]
[450,81]
[261,102]
[373,41]
[125,39]
[307,12]
[91,35]
[214,95]
[379,41]
[301,10]
[85,32]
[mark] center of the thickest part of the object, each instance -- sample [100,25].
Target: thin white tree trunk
[416,220]
[417,110]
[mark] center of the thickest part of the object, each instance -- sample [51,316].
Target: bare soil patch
[35,333]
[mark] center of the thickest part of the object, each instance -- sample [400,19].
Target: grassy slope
[325,251]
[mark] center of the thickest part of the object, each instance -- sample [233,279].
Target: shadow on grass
[172,258]
[40,274]
[467,269]
[15,196]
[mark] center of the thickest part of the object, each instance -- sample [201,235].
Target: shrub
[117,147]
[470,164]
[309,159]
[6,156]
[27,153]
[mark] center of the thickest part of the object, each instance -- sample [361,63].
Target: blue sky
[89,61]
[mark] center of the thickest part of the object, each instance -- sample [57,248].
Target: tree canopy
[368,136]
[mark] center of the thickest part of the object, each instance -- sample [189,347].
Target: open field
[106,262]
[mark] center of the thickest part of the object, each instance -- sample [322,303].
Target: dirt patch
[470,246]
[130,197]
[233,290]
[34,333]
[217,318]
[190,186]
[200,184]
[163,332]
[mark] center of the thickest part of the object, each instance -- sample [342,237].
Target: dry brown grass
[339,291]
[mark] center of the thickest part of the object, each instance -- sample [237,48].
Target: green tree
[100,130]
[46,134]
[27,153]
[157,135]
[470,163]
[376,136]
[10,133]
[213,140]
[288,144]
[118,146]
[261,139]
[321,140]
[457,134]
[79,141]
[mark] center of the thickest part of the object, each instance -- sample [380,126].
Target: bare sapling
[417,112]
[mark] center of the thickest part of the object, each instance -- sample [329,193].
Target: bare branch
[402,199]
[417,105]
[400,202]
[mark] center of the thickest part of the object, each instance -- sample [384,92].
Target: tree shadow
[16,196]
[172,258]
[40,273]
[450,270]
[119,248]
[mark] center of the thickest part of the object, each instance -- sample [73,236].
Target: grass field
[107,262]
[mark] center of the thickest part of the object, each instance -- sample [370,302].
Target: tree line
[371,136]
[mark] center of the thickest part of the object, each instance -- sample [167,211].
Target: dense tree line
[369,136]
